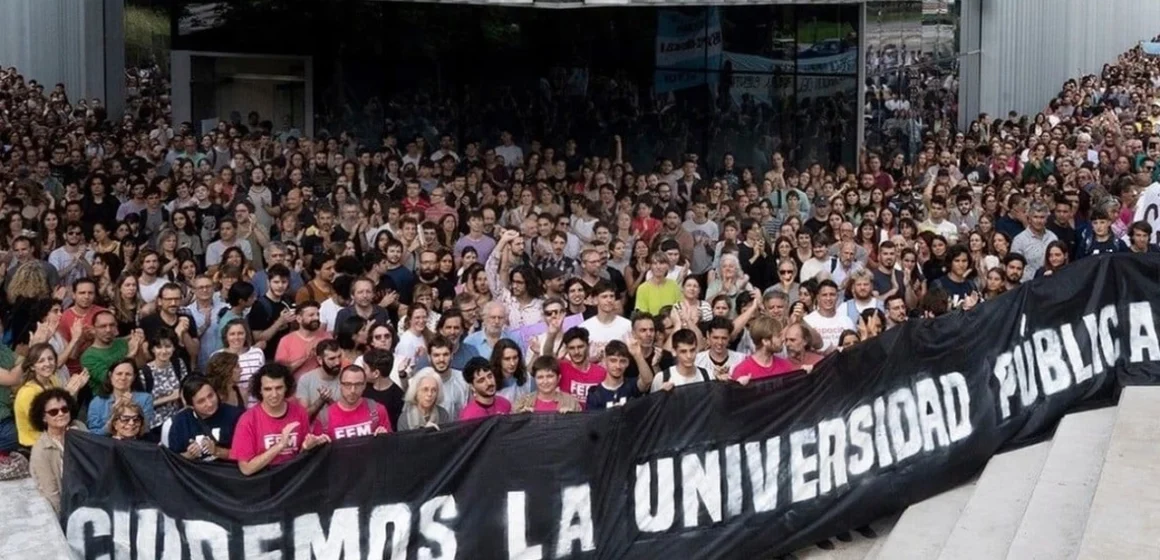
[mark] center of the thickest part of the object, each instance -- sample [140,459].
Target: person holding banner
[352,415]
[548,397]
[275,431]
[421,403]
[484,402]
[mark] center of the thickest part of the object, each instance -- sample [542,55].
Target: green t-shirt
[99,360]
[7,361]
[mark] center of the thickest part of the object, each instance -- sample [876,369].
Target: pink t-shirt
[257,431]
[293,347]
[749,367]
[547,406]
[342,424]
[474,410]
[577,383]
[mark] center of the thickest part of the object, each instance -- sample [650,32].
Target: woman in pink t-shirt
[548,396]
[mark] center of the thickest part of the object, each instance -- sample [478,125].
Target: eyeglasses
[785,272]
[553,312]
[56,411]
[129,419]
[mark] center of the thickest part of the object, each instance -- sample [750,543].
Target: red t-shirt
[65,329]
[547,406]
[257,431]
[749,367]
[342,424]
[474,410]
[576,382]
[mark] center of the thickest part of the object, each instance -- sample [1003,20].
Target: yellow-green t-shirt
[650,297]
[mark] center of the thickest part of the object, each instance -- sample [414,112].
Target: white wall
[1028,48]
[79,43]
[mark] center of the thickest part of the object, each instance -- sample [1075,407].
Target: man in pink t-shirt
[352,415]
[484,402]
[296,349]
[276,430]
[764,362]
[577,372]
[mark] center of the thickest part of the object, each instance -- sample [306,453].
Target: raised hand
[284,439]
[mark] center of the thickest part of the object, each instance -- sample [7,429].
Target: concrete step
[28,527]
[861,548]
[990,518]
[1124,519]
[1054,520]
[924,527]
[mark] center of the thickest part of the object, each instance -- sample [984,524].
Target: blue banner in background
[1151,48]
[687,46]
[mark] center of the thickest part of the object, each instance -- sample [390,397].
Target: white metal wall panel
[1030,47]
[63,41]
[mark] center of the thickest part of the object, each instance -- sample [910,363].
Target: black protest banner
[710,471]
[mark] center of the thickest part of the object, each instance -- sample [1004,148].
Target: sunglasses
[56,411]
[553,312]
[785,272]
[129,419]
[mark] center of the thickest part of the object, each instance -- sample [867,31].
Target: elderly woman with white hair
[421,403]
[728,279]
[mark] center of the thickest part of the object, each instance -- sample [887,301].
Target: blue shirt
[458,359]
[477,341]
[181,429]
[101,407]
[260,282]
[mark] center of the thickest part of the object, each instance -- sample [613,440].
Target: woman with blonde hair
[26,288]
[126,421]
[421,403]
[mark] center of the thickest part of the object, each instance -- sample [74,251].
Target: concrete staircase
[1088,493]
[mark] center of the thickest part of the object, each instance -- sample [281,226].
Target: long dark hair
[521,373]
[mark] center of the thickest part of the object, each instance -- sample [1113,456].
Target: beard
[312,326]
[331,371]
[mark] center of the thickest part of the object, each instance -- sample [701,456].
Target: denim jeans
[8,441]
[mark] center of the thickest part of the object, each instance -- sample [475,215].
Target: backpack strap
[833,264]
[704,373]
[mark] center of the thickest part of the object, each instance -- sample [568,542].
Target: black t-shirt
[263,315]
[882,280]
[209,217]
[601,397]
[314,246]
[666,361]
[956,292]
[104,212]
[153,323]
[391,399]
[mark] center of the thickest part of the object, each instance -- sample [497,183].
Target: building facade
[806,79]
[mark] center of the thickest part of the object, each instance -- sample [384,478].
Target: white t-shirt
[676,378]
[704,361]
[600,334]
[829,328]
[328,313]
[149,292]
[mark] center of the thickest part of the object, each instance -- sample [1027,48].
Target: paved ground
[28,528]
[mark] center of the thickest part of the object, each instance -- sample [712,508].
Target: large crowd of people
[248,295]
